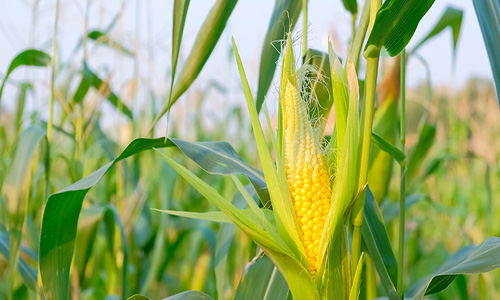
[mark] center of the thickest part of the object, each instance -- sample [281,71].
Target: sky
[145,27]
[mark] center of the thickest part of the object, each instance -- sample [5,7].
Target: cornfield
[324,177]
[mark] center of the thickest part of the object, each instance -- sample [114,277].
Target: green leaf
[379,246]
[452,18]
[103,38]
[389,148]
[395,25]
[30,57]
[261,280]
[488,15]
[419,151]
[205,42]
[60,219]
[351,6]
[179,19]
[468,260]
[221,158]
[283,20]
[90,79]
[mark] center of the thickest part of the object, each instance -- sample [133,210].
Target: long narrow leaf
[205,42]
[488,15]
[283,20]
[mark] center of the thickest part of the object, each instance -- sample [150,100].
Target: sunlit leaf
[395,25]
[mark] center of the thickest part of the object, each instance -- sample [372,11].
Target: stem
[360,35]
[53,76]
[402,190]
[304,27]
[367,119]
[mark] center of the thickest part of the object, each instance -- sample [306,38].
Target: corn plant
[312,216]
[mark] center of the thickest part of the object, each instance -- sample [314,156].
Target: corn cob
[307,175]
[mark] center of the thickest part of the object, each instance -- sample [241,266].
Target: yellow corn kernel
[307,174]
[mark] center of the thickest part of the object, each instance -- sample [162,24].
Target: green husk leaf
[293,265]
[288,226]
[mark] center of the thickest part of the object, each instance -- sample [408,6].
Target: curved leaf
[468,260]
[283,20]
[395,25]
[221,158]
[60,219]
[452,17]
[30,57]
